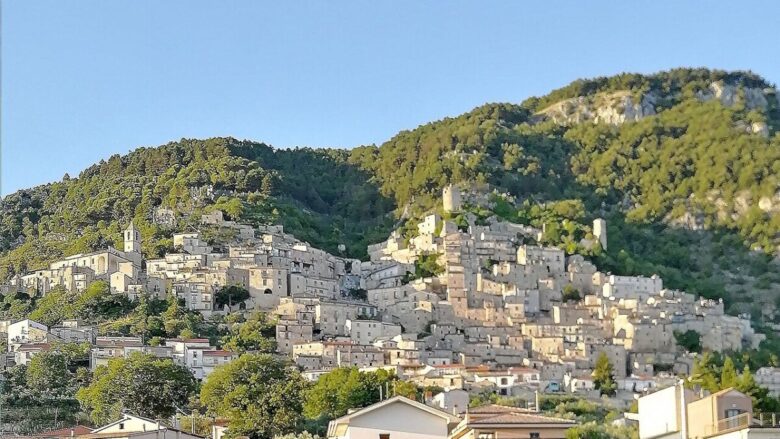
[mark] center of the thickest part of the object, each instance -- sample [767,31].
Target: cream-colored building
[496,422]
[675,412]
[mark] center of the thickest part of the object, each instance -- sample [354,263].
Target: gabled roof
[502,417]
[725,391]
[396,399]
[76,430]
[97,433]
[124,418]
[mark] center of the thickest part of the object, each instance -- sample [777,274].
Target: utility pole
[2,389]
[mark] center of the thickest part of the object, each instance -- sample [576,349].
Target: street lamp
[192,430]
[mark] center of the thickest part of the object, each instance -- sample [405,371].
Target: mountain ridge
[655,172]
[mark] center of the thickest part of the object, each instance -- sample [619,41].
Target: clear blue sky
[82,80]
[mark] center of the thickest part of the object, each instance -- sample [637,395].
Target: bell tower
[132,239]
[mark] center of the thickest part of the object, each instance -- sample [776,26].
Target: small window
[384,436]
[267,291]
[490,435]
[730,413]
[533,435]
[121,425]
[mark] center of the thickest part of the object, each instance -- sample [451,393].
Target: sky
[82,80]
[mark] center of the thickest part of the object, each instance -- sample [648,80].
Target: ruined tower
[451,198]
[600,231]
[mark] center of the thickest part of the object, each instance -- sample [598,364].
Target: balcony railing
[744,420]
[766,420]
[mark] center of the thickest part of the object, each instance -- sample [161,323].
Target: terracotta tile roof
[217,353]
[117,343]
[77,430]
[34,347]
[519,418]
[496,409]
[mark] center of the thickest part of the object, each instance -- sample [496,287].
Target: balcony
[743,421]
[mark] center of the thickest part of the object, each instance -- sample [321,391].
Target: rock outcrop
[610,108]
[618,107]
[729,95]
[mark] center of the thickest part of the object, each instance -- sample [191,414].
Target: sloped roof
[520,418]
[502,417]
[396,399]
[76,430]
[496,409]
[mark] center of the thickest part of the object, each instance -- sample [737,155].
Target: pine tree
[704,373]
[604,376]
[728,376]
[746,382]
[267,185]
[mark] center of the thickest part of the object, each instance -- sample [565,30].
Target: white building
[364,332]
[26,332]
[397,417]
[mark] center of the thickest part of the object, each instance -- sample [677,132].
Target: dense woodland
[692,158]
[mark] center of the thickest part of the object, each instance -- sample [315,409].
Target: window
[490,435]
[730,413]
[533,435]
[384,436]
[121,425]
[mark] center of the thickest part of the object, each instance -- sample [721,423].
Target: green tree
[140,384]
[762,401]
[48,374]
[230,295]
[407,389]
[689,340]
[54,307]
[98,304]
[604,376]
[728,375]
[704,373]
[301,435]
[259,395]
[341,389]
[427,266]
[571,293]
[256,334]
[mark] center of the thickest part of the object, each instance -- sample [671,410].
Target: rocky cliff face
[730,95]
[616,108]
[610,108]
[694,218]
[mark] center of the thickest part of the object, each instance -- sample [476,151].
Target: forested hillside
[684,164]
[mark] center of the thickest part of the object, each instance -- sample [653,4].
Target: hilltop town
[467,308]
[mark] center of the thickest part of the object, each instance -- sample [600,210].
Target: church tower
[132,239]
